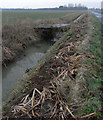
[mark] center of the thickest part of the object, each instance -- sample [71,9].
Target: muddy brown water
[12,74]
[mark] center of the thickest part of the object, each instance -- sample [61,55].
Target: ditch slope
[58,87]
[17,37]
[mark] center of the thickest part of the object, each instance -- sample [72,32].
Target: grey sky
[46,3]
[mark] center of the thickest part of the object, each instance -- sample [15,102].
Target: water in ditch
[98,15]
[15,71]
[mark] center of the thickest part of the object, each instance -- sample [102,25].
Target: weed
[94,76]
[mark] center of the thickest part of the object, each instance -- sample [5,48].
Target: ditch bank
[19,42]
[16,38]
[54,84]
[17,69]
[29,57]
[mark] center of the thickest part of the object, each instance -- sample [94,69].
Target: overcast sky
[46,3]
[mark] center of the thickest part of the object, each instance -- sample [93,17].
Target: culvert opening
[51,33]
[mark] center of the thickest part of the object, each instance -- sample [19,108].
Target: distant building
[70,5]
[75,5]
[79,5]
[65,6]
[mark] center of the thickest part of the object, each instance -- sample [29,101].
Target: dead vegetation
[56,92]
[15,40]
[47,103]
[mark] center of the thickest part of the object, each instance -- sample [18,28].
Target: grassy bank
[94,74]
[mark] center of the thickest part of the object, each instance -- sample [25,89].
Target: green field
[17,16]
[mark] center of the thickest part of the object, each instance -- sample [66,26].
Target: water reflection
[16,70]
